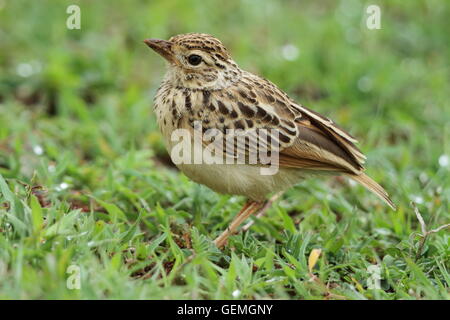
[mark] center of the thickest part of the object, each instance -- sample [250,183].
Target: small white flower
[289,52]
[236,293]
[24,70]
[62,186]
[417,199]
[37,149]
[444,160]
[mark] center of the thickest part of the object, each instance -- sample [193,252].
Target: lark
[204,89]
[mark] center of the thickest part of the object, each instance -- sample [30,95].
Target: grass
[85,179]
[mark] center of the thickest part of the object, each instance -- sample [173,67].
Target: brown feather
[347,145]
[287,161]
[371,185]
[313,144]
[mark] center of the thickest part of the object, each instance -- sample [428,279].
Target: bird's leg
[262,211]
[246,205]
[243,209]
[249,208]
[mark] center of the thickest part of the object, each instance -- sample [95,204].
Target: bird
[204,90]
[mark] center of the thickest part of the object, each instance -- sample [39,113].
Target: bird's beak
[162,47]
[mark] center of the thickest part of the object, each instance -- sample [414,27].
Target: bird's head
[197,61]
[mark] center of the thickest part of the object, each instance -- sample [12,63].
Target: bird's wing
[274,122]
[270,120]
[306,137]
[306,140]
[319,144]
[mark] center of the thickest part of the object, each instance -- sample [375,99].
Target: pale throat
[203,80]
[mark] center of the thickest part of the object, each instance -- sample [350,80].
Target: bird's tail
[371,185]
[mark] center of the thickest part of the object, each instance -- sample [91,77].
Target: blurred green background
[85,179]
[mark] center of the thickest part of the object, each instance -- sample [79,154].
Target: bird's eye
[194,59]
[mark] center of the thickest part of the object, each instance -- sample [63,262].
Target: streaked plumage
[220,95]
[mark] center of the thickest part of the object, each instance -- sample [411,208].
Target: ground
[87,189]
